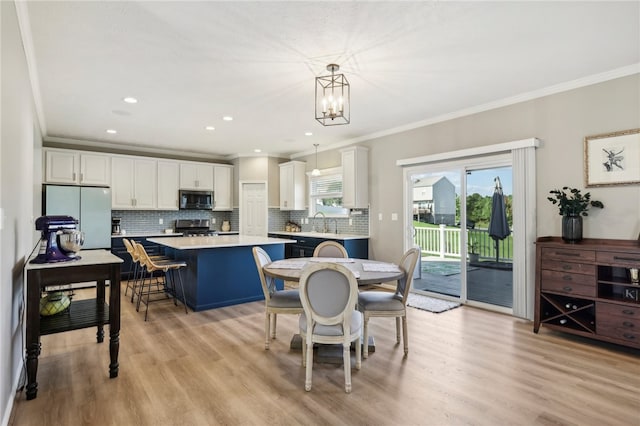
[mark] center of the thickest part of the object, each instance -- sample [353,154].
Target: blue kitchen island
[220,270]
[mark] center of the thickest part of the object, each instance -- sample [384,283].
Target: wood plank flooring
[465,366]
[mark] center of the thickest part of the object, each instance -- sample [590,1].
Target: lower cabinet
[304,246]
[587,289]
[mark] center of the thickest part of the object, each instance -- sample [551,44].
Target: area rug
[430,304]
[443,268]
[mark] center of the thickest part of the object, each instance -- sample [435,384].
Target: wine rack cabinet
[586,289]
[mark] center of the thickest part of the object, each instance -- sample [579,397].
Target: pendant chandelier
[333,98]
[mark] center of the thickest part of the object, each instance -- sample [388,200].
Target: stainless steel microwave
[195,200]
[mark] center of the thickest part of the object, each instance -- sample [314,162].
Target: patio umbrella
[498,225]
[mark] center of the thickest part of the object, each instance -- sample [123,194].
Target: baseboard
[8,409]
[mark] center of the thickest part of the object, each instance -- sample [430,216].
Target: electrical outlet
[350,222]
[161,221]
[394,216]
[213,220]
[379,216]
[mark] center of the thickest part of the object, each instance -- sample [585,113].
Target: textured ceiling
[190,63]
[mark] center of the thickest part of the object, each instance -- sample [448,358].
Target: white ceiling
[190,63]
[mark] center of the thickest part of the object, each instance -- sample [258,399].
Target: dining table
[366,271]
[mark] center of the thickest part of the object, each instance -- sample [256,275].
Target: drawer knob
[627,324]
[628,312]
[567,277]
[567,288]
[629,336]
[566,267]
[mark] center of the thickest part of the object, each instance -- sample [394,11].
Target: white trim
[470,152]
[24,24]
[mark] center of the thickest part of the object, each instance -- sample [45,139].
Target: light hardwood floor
[465,366]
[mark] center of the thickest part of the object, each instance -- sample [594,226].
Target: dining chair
[329,293]
[388,304]
[169,268]
[275,301]
[330,249]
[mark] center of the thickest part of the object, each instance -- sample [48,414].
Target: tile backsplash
[145,221]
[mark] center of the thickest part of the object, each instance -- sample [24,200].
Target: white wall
[20,167]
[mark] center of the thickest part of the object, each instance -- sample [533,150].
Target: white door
[253,208]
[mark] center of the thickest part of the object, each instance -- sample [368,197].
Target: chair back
[142,256]
[330,249]
[262,259]
[329,293]
[130,249]
[408,264]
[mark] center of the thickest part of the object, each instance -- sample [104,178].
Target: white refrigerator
[91,205]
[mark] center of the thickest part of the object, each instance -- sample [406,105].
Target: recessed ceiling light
[227,118]
[111,131]
[308,134]
[257,150]
[130,100]
[210,128]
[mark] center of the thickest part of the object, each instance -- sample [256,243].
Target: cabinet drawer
[567,283]
[631,260]
[621,312]
[562,266]
[568,254]
[627,336]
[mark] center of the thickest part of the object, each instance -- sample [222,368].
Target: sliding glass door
[464,258]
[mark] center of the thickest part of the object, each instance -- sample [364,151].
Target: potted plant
[474,256]
[572,205]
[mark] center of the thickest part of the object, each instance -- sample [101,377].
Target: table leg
[33,335]
[100,304]
[114,319]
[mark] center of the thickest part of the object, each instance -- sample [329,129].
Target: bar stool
[135,267]
[169,267]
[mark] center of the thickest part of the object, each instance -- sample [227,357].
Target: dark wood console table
[94,265]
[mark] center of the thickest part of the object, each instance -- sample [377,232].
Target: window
[325,194]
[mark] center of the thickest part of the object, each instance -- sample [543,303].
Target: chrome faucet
[324,222]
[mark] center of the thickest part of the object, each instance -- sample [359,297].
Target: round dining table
[366,271]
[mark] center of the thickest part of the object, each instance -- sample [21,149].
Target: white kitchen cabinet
[197,176]
[134,183]
[355,177]
[77,168]
[223,187]
[168,184]
[293,183]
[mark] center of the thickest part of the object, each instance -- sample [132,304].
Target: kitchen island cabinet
[221,270]
[356,245]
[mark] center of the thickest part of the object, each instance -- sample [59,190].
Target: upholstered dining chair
[330,249]
[388,304]
[275,301]
[329,292]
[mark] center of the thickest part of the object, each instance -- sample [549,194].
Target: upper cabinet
[355,178]
[222,187]
[196,176]
[168,184]
[134,184]
[293,183]
[77,168]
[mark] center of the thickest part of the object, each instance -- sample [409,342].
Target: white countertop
[192,243]
[87,257]
[324,235]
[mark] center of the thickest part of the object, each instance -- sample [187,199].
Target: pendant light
[333,98]
[316,171]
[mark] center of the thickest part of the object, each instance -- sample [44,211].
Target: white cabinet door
[196,176]
[145,184]
[61,166]
[122,196]
[223,187]
[355,178]
[292,185]
[168,184]
[95,169]
[134,183]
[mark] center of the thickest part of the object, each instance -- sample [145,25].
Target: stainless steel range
[194,227]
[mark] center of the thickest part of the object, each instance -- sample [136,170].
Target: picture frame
[612,159]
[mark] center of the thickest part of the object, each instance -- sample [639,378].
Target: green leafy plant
[571,201]
[473,246]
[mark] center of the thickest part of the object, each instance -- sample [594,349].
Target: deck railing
[445,242]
